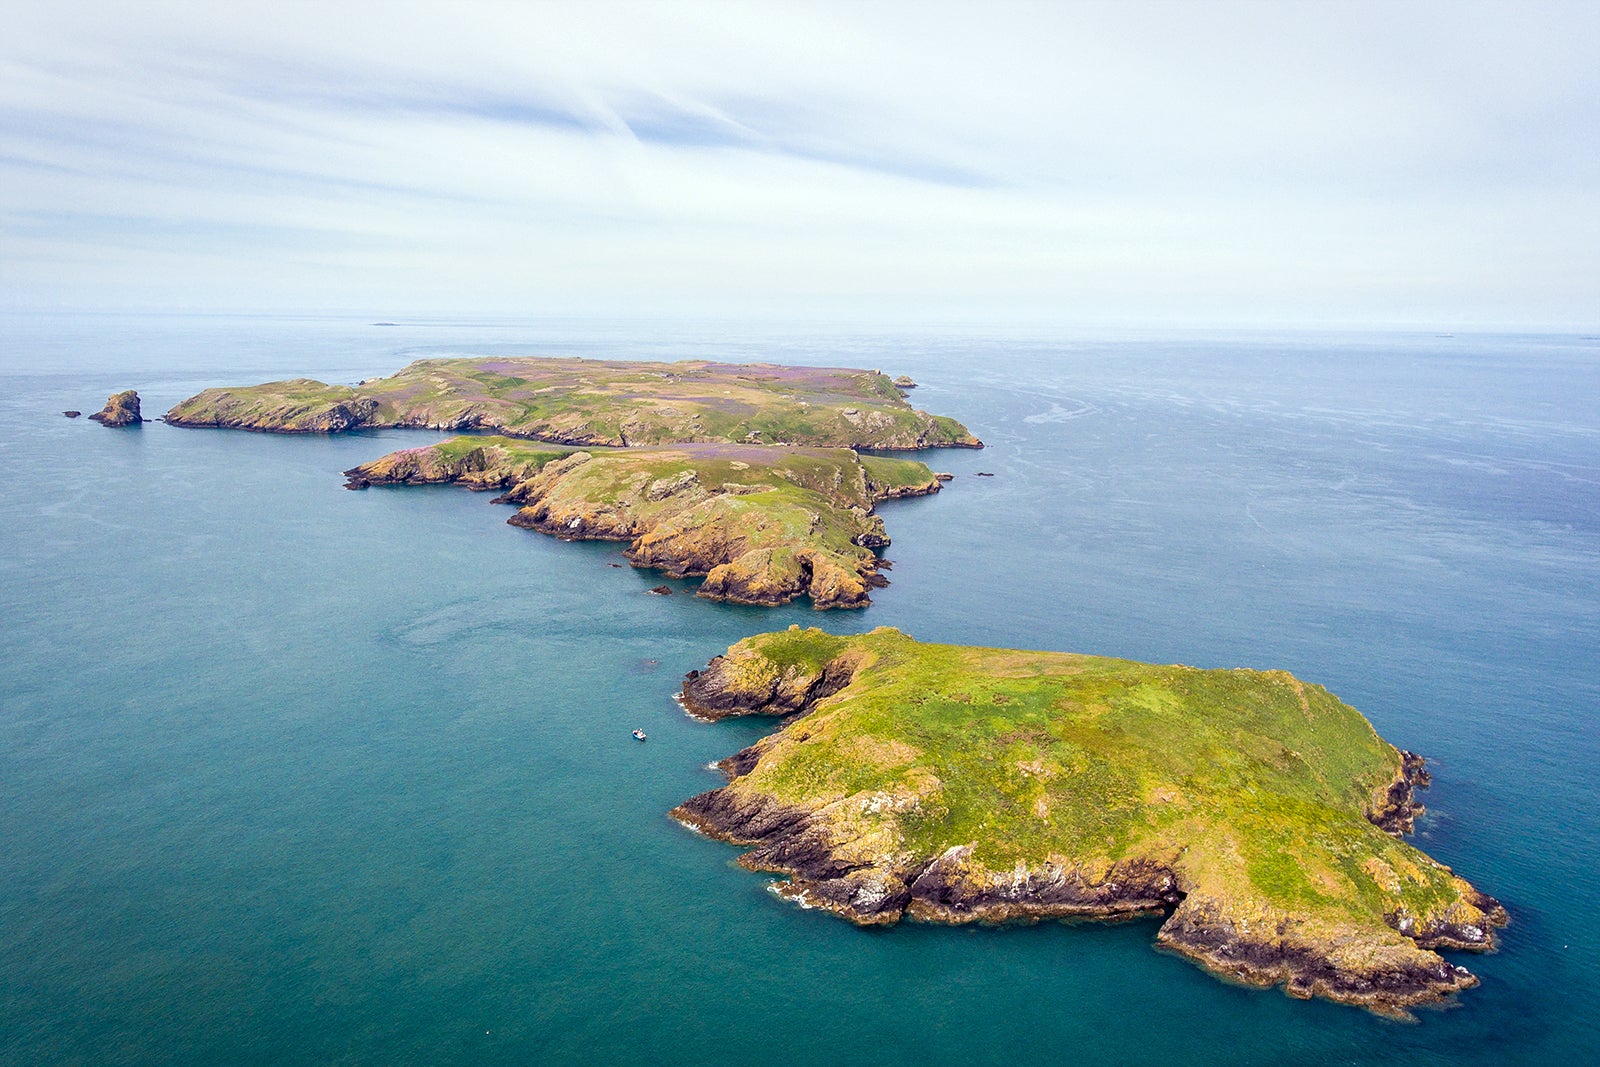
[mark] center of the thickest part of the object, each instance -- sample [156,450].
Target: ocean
[290,774]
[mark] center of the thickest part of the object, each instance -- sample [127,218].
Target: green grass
[891,474]
[1260,783]
[780,516]
[603,403]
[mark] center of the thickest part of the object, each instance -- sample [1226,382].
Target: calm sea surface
[290,774]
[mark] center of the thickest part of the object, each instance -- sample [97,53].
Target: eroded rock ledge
[1258,814]
[763,524]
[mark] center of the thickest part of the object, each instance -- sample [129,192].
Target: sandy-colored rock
[122,409]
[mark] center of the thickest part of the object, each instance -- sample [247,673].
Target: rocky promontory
[596,403]
[122,409]
[1257,814]
[763,524]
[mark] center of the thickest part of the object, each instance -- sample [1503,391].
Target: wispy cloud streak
[1133,161]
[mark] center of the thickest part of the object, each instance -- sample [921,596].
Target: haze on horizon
[1230,163]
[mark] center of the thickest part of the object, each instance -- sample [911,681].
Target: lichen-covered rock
[748,681]
[300,405]
[122,409]
[474,462]
[763,576]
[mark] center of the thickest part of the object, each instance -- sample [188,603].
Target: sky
[1218,163]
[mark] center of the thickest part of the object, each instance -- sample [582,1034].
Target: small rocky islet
[1258,814]
[122,409]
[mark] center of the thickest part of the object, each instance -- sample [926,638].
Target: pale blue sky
[1228,163]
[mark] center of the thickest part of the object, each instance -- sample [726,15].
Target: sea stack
[122,409]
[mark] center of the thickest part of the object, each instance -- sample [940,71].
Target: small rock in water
[122,409]
[660,590]
[616,565]
[72,414]
[982,474]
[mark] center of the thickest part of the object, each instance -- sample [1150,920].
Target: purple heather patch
[755,455]
[836,377]
[725,404]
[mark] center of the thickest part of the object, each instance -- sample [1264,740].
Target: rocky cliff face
[889,794]
[301,405]
[122,409]
[747,682]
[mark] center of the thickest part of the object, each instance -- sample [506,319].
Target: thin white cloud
[1136,161]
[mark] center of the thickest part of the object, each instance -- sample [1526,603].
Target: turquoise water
[290,774]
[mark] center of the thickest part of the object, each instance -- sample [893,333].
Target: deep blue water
[290,774]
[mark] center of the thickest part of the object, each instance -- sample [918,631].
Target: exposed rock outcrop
[122,409]
[746,682]
[1396,811]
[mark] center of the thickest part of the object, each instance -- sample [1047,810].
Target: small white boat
[638,735]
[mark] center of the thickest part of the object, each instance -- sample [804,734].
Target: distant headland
[596,403]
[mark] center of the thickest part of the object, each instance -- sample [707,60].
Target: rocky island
[1258,814]
[764,524]
[596,403]
[122,409]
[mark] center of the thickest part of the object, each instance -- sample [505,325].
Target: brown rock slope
[122,409]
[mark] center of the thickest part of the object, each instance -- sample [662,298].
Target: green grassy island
[1258,813]
[596,403]
[743,473]
[764,524]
